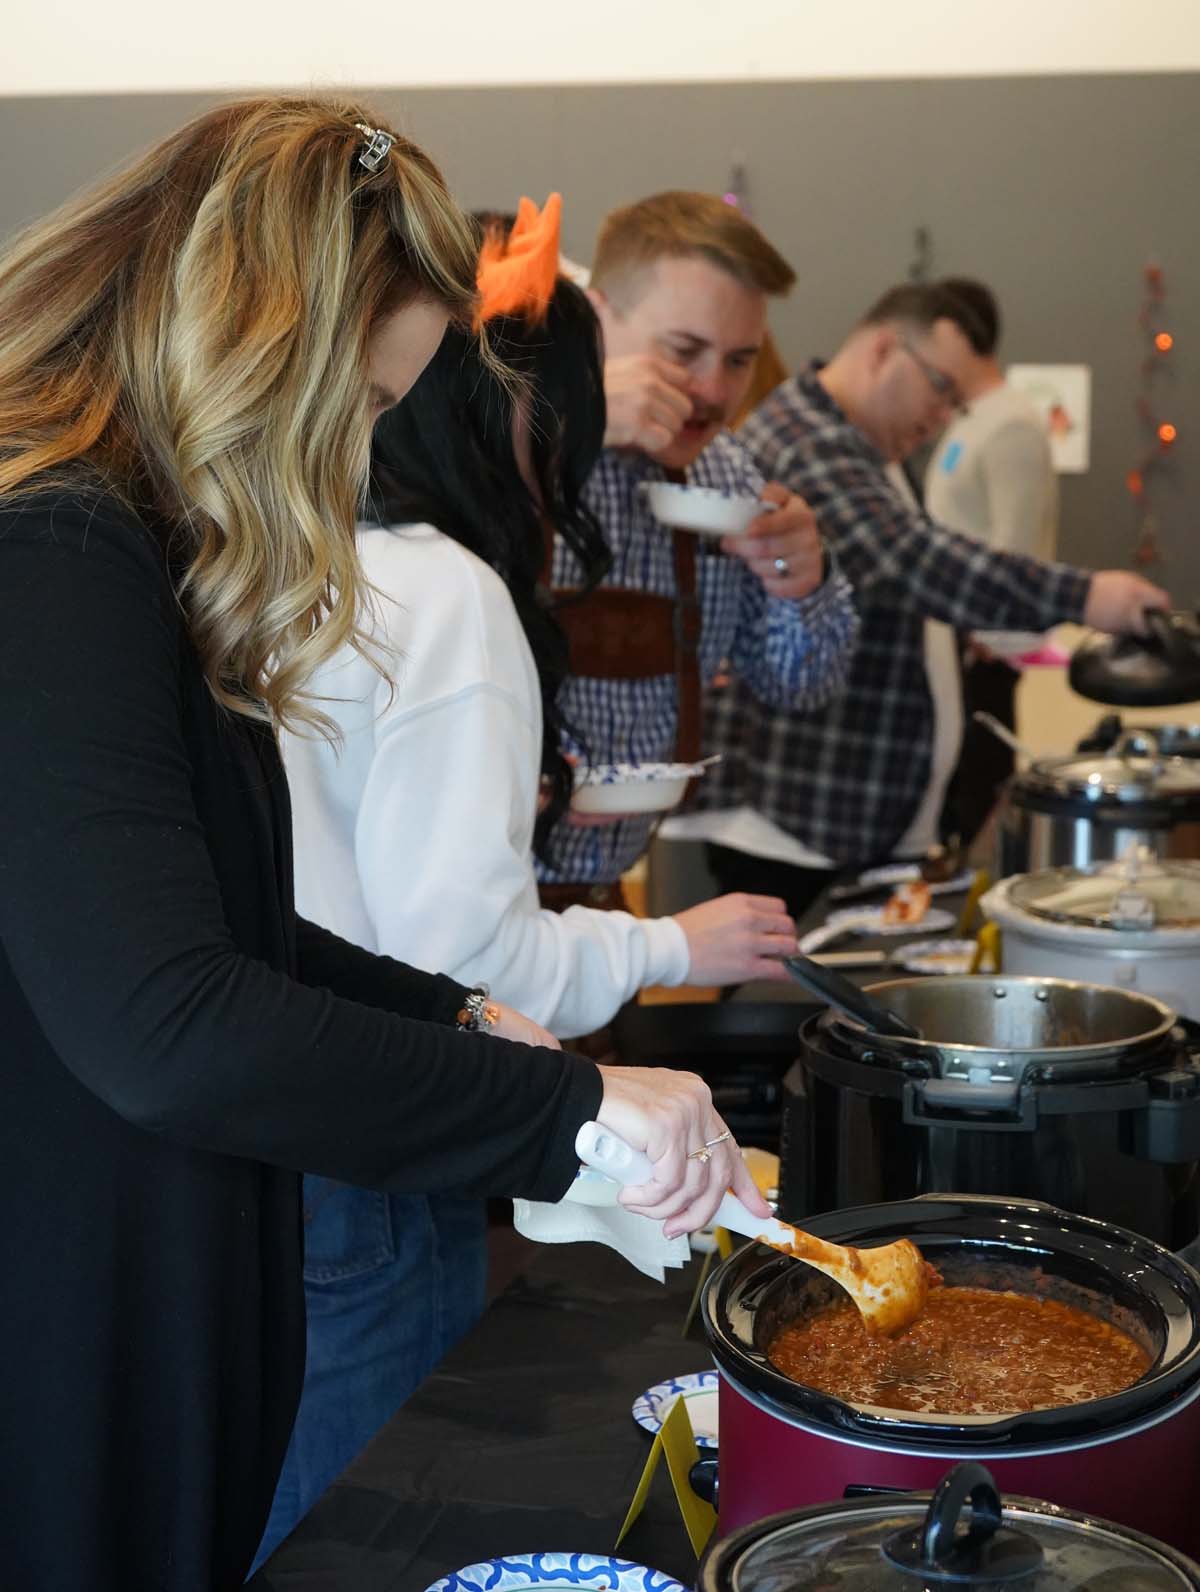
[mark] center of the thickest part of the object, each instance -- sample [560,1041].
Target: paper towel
[589,1213]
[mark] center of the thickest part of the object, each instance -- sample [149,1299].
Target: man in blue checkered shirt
[860,779]
[680,283]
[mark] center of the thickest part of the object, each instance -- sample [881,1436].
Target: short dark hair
[923,303]
[985,312]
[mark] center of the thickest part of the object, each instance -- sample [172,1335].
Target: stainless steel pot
[990,1031]
[1092,807]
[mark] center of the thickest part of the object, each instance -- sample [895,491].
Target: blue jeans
[391,1282]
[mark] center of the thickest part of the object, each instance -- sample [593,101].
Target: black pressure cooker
[1039,1088]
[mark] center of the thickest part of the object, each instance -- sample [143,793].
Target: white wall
[116,46]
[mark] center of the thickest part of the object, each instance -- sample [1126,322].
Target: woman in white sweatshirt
[416,836]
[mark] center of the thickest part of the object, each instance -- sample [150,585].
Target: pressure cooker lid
[1137,892]
[1134,771]
[962,1536]
[1160,669]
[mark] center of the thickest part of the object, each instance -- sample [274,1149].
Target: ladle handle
[838,991]
[1002,733]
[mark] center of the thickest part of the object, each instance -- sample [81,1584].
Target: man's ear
[882,342]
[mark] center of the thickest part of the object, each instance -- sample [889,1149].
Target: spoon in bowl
[888,1284]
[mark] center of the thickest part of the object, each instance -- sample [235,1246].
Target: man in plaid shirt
[680,283]
[849,783]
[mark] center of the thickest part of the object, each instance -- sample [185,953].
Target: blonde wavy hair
[192,335]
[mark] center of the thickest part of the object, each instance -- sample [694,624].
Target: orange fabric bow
[516,275]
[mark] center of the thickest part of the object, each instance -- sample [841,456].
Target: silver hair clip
[378,145]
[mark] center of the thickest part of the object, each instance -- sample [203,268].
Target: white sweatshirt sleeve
[444,825]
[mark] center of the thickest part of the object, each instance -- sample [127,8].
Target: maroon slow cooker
[1133,1458]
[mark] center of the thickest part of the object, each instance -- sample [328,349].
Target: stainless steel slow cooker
[963,1534]
[1134,924]
[1093,806]
[1129,1458]
[1038,1088]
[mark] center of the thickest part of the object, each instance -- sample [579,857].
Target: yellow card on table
[724,1248]
[679,1444]
[677,1440]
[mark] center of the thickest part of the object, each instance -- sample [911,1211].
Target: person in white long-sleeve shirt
[418,830]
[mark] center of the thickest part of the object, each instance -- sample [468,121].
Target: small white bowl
[631,787]
[706,510]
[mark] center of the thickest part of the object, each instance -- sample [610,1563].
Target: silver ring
[782,567]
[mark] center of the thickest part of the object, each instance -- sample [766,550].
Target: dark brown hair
[921,304]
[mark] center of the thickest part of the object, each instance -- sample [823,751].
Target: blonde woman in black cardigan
[190,358]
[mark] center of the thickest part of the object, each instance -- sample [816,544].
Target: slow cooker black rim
[930,1218]
[724,1553]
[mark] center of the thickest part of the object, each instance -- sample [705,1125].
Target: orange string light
[1159,437]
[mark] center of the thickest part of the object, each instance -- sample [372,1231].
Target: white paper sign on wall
[1062,395]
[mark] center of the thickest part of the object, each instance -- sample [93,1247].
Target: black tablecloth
[521,1440]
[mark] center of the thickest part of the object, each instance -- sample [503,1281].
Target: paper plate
[869,920]
[908,873]
[698,1388]
[706,510]
[937,956]
[552,1571]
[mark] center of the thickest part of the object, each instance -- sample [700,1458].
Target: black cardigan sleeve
[357,975]
[112,921]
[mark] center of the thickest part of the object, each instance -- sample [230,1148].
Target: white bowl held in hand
[706,510]
[633,787]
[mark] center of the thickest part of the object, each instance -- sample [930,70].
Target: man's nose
[710,388]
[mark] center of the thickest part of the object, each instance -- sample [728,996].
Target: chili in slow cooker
[972,1351]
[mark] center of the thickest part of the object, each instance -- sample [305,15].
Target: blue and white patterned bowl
[698,1389]
[706,510]
[632,787]
[588,1571]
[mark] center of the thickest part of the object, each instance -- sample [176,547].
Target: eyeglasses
[945,386]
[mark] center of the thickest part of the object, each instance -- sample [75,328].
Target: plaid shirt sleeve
[894,554]
[795,653]
[790,652]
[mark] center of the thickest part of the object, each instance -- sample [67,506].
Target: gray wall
[1055,190]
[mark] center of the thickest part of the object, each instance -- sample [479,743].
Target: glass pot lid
[1139,891]
[962,1536]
